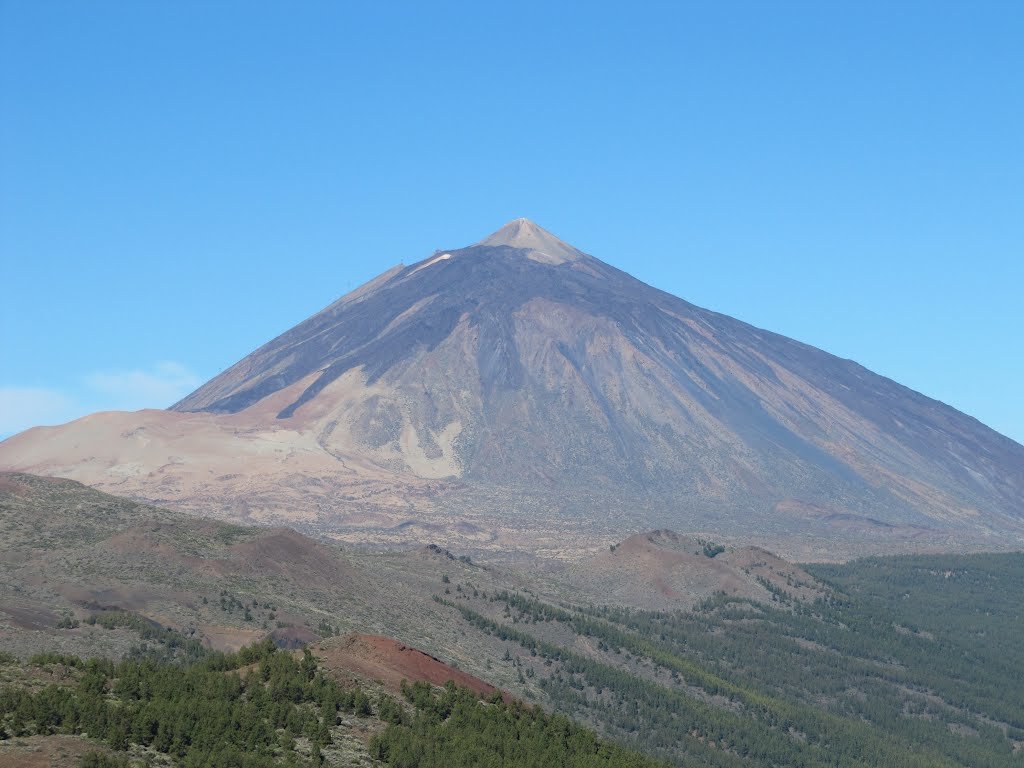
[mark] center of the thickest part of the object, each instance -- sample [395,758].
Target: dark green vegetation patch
[263,707]
[454,730]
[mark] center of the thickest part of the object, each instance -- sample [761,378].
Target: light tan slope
[234,466]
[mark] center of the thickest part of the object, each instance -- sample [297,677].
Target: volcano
[520,385]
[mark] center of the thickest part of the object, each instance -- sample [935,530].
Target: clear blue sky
[181,181]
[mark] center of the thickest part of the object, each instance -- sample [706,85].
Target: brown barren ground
[57,751]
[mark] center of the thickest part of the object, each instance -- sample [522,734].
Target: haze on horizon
[180,185]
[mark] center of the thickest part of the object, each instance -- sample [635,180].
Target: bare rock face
[519,385]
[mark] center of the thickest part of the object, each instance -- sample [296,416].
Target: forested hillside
[262,707]
[913,661]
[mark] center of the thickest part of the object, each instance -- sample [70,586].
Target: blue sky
[179,182]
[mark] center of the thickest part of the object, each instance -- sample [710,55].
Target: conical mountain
[522,382]
[539,244]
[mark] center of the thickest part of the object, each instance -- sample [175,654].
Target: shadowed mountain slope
[522,377]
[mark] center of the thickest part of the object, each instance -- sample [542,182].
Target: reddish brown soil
[664,564]
[390,662]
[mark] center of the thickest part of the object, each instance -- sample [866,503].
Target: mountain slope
[905,661]
[520,376]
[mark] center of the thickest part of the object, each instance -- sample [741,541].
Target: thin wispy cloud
[158,386]
[24,407]
[162,385]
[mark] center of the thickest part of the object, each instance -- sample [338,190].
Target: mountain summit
[519,384]
[539,244]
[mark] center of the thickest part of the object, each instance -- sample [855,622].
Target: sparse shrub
[95,759]
[712,550]
[43,659]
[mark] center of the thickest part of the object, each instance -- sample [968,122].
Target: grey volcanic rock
[574,374]
[518,379]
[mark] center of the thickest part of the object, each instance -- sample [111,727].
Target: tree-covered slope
[261,707]
[910,661]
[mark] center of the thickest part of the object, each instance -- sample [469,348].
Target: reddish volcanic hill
[666,570]
[518,385]
[389,662]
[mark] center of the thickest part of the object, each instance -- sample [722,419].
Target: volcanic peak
[539,244]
